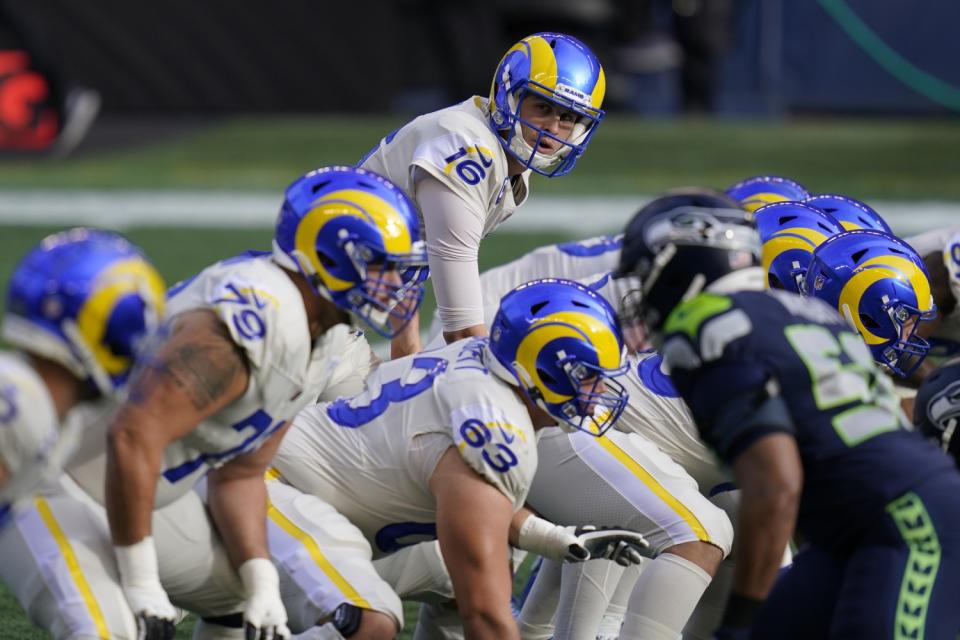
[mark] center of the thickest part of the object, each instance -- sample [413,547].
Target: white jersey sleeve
[457,147]
[577,260]
[495,442]
[30,445]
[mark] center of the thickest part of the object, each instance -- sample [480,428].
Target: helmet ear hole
[775,281]
[546,377]
[869,322]
[326,260]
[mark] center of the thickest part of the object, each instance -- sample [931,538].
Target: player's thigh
[59,563]
[623,480]
[801,605]
[904,581]
[195,569]
[323,559]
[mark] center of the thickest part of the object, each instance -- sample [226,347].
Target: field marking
[258,209]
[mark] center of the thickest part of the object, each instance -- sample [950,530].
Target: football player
[789,232]
[758,191]
[468,166]
[790,397]
[636,475]
[937,408]
[78,307]
[251,340]
[940,250]
[878,283]
[443,445]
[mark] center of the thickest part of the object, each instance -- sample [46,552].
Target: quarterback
[467,167]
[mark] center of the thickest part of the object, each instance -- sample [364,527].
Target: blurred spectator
[699,32]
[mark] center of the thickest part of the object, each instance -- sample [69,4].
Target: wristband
[740,611]
[138,563]
[258,575]
[544,538]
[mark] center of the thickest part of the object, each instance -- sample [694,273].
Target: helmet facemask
[571,148]
[595,398]
[388,288]
[902,355]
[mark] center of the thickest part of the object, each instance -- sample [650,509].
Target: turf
[892,159]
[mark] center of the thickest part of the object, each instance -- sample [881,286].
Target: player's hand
[264,616]
[729,633]
[623,546]
[153,611]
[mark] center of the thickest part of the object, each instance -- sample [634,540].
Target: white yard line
[573,214]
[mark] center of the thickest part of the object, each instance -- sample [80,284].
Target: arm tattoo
[203,364]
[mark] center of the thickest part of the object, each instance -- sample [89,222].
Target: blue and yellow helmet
[789,232]
[356,238]
[85,299]
[880,285]
[852,214]
[758,191]
[561,342]
[561,70]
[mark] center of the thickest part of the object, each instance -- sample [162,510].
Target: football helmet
[676,251]
[356,238]
[758,191]
[936,409]
[789,232]
[561,70]
[880,285]
[86,299]
[561,343]
[852,214]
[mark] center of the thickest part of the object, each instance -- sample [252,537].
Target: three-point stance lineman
[789,395]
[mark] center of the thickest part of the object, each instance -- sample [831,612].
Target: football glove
[264,617]
[579,544]
[140,582]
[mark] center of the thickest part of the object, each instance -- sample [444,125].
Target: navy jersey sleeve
[734,398]
[735,404]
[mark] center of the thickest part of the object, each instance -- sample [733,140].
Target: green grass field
[893,159]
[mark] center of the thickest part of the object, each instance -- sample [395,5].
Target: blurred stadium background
[180,123]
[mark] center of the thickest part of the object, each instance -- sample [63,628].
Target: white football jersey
[657,412]
[572,260]
[264,313]
[371,456]
[457,147]
[30,446]
[945,341]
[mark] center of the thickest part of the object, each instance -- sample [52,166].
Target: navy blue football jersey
[758,362]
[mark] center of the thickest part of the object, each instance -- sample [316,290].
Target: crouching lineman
[252,340]
[78,308]
[789,395]
[443,445]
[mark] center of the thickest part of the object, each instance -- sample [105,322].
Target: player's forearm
[489,625]
[239,509]
[477,330]
[133,466]
[767,516]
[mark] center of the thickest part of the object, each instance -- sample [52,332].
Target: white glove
[264,616]
[140,582]
[579,544]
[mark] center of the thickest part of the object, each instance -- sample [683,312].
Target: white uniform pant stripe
[640,494]
[60,570]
